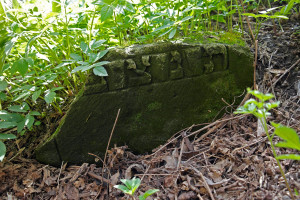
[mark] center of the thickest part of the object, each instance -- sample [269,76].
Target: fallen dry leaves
[232,162]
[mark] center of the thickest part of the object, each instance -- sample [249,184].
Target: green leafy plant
[130,186]
[262,17]
[260,109]
[92,62]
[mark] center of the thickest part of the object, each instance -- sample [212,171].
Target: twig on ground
[62,163]
[169,142]
[100,178]
[204,182]
[180,155]
[282,75]
[112,131]
[214,124]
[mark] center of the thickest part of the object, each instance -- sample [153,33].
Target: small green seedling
[260,109]
[4,136]
[130,186]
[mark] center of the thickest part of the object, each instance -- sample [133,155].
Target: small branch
[205,183]
[112,131]
[286,71]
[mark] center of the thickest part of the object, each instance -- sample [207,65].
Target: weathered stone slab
[160,88]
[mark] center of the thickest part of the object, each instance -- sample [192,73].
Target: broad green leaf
[34,113]
[76,57]
[250,15]
[7,136]
[147,194]
[100,63]
[106,12]
[219,18]
[21,125]
[7,124]
[56,89]
[49,96]
[95,44]
[232,12]
[79,68]
[86,68]
[8,45]
[29,120]
[269,106]
[24,95]
[98,56]
[2,151]
[184,19]
[16,4]
[260,95]
[136,182]
[3,96]
[132,184]
[36,95]
[3,85]
[19,108]
[289,156]
[165,32]
[172,33]
[84,47]
[290,137]
[21,66]
[2,12]
[100,71]
[29,44]
[11,117]
[123,189]
[163,27]
[279,16]
[286,9]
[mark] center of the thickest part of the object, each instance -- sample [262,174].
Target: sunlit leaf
[106,12]
[36,95]
[290,137]
[3,85]
[49,96]
[21,66]
[29,120]
[289,156]
[147,194]
[7,124]
[100,71]
[76,57]
[172,33]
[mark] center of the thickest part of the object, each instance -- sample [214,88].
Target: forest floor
[228,159]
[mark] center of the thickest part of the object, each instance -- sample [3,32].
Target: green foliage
[46,54]
[130,186]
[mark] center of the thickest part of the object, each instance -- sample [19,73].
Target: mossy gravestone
[160,89]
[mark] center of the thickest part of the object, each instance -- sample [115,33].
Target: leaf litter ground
[227,159]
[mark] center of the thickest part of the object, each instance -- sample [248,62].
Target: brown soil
[229,159]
